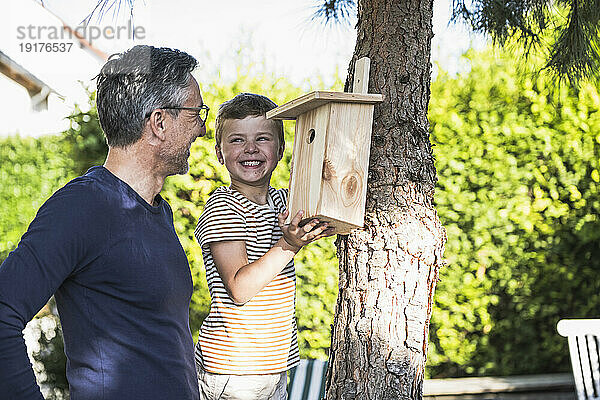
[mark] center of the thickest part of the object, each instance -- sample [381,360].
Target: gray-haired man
[105,245]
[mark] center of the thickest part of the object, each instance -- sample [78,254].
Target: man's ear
[219,154]
[158,124]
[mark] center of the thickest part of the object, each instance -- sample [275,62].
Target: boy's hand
[297,236]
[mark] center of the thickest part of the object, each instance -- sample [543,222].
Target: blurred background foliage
[31,170]
[518,192]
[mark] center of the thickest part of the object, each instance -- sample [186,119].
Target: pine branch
[334,11]
[103,6]
[573,47]
[575,54]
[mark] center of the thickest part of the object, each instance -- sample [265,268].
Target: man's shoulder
[82,188]
[73,209]
[82,193]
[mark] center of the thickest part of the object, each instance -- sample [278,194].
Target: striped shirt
[260,336]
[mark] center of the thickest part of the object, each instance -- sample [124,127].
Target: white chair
[584,342]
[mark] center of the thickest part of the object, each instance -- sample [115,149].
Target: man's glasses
[201,112]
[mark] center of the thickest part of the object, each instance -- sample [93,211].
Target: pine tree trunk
[388,271]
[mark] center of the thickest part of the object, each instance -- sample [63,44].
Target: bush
[518,164]
[30,171]
[45,349]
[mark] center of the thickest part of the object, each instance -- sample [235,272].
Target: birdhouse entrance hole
[311,136]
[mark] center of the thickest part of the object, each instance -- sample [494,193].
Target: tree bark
[389,269]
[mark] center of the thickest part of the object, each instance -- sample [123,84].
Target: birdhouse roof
[292,109]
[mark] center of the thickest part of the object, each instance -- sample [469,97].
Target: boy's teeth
[251,163]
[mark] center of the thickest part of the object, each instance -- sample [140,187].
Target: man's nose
[202,130]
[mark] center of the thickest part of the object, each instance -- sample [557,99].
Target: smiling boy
[249,340]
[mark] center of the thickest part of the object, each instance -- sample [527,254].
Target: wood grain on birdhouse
[330,159]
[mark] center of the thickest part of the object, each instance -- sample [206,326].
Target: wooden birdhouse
[330,159]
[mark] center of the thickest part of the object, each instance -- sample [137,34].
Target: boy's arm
[243,280]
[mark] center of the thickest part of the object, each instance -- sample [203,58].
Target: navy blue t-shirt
[122,285]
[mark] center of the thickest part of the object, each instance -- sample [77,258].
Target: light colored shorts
[242,387]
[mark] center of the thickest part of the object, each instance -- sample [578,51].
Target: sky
[277,36]
[278,33]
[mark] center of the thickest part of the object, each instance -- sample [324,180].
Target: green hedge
[30,171]
[517,159]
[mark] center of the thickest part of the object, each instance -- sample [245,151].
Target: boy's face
[250,150]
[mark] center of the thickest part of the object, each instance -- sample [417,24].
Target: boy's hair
[245,105]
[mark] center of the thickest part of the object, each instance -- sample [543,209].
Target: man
[105,245]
